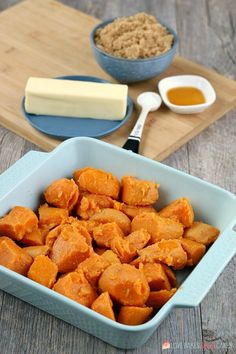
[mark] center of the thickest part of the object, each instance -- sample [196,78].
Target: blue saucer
[67,127]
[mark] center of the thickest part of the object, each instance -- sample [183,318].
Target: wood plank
[27,50]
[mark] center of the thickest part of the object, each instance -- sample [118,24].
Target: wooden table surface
[207,31]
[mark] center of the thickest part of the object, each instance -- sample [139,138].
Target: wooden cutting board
[45,38]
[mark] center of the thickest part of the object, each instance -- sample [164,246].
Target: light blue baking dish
[23,183]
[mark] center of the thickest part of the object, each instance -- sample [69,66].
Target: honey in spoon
[185,96]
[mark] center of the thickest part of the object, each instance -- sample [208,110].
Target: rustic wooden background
[207,30]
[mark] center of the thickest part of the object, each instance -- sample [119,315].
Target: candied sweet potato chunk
[170,275]
[105,233]
[14,257]
[75,286]
[19,221]
[157,299]
[69,249]
[124,249]
[139,238]
[201,232]
[125,284]
[36,237]
[111,215]
[50,217]
[195,251]
[180,209]
[110,256]
[43,271]
[63,193]
[156,276]
[97,182]
[157,226]
[35,251]
[133,315]
[131,211]
[93,267]
[169,252]
[103,305]
[138,192]
[91,204]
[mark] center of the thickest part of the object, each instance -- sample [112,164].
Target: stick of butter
[76,98]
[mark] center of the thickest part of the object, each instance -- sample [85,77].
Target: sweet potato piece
[195,251]
[170,275]
[157,299]
[97,182]
[93,267]
[35,251]
[124,249]
[105,233]
[132,315]
[110,256]
[69,249]
[157,226]
[180,209]
[75,286]
[82,229]
[169,252]
[43,271]
[19,221]
[36,237]
[125,284]
[91,204]
[51,217]
[111,215]
[139,238]
[63,193]
[138,192]
[156,276]
[103,305]
[14,257]
[131,211]
[201,232]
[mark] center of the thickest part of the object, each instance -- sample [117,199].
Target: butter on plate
[76,98]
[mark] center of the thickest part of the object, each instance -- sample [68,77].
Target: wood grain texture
[207,32]
[27,50]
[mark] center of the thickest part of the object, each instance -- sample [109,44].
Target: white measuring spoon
[149,102]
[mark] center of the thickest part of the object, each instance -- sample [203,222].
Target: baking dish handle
[14,174]
[199,282]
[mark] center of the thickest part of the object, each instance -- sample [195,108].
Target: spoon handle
[134,138]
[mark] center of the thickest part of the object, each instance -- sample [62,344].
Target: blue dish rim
[106,22]
[130,108]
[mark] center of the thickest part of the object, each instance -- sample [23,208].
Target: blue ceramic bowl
[132,70]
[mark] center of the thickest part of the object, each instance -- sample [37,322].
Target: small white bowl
[187,80]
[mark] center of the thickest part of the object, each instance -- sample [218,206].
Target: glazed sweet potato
[105,233]
[36,237]
[18,222]
[110,257]
[170,275]
[103,305]
[97,182]
[124,249]
[138,192]
[157,299]
[52,236]
[156,276]
[14,257]
[111,215]
[93,267]
[201,232]
[50,217]
[91,204]
[157,226]
[69,249]
[62,193]
[179,209]
[43,271]
[125,284]
[195,251]
[131,211]
[139,238]
[169,252]
[35,251]
[75,286]
[132,315]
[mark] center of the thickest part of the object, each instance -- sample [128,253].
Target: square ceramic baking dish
[24,182]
